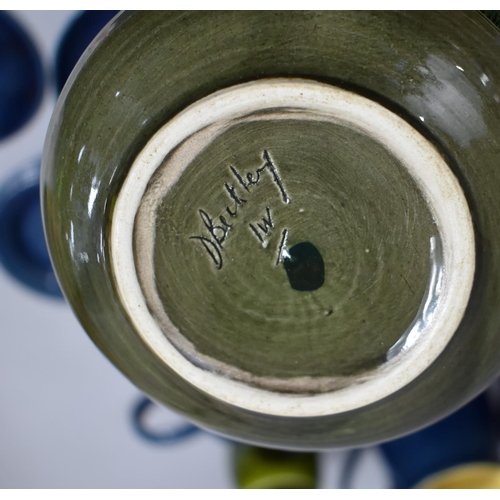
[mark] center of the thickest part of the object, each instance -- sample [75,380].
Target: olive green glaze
[493,16]
[259,468]
[349,197]
[439,71]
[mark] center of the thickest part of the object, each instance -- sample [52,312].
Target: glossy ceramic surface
[286,323]
[21,76]
[23,252]
[472,476]
[76,39]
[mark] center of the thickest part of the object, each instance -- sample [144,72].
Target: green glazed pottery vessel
[284,225]
[260,468]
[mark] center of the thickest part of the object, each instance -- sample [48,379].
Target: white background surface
[64,409]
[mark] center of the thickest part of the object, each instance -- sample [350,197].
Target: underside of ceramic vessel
[293,248]
[283,225]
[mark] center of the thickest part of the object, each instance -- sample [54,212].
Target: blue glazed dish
[21,76]
[23,250]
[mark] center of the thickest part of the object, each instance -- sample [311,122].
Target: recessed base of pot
[293,248]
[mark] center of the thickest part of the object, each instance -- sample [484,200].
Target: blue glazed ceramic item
[21,76]
[23,251]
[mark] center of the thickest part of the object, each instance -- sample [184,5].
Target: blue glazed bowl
[21,76]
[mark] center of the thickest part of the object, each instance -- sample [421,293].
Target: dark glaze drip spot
[304,267]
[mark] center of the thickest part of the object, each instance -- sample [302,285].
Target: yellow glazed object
[470,476]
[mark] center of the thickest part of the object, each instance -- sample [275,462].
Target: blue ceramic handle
[175,435]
